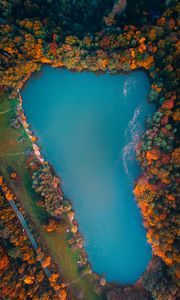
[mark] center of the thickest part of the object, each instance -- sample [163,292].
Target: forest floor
[13,158]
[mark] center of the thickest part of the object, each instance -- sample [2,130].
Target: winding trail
[76,280]
[11,154]
[6,111]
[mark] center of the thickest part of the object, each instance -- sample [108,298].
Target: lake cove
[88,126]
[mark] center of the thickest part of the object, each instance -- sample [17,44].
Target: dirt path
[76,280]
[11,154]
[6,111]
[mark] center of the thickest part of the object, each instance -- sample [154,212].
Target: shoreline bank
[71,203]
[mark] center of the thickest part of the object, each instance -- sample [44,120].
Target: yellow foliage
[176,115]
[103,63]
[33,138]
[156,88]
[153,154]
[152,34]
[45,60]
[46,262]
[54,278]
[71,40]
[132,53]
[142,48]
[133,65]
[146,63]
[63,295]
[13,175]
[74,229]
[142,40]
[29,279]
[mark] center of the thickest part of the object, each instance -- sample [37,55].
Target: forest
[125,36]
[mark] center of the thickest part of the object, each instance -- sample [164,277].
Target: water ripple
[132,133]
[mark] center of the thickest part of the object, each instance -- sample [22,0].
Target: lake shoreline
[40,157]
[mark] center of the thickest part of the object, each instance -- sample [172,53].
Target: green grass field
[13,157]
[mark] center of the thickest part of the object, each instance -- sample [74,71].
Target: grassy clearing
[13,157]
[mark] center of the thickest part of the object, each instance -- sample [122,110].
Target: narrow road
[27,230]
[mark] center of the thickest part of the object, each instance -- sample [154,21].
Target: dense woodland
[22,276]
[75,16]
[123,37]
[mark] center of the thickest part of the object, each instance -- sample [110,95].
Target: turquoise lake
[88,126]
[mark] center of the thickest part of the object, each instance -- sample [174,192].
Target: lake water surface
[88,126]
